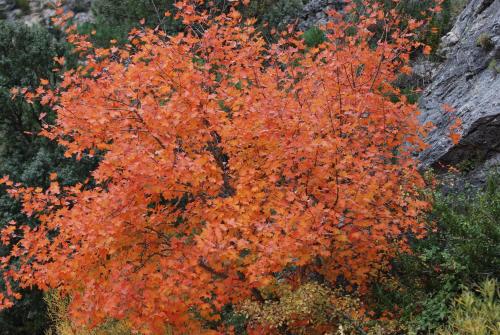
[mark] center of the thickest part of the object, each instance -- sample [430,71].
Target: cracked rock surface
[469,81]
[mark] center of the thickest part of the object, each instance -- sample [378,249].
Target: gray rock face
[315,12]
[41,11]
[8,9]
[469,81]
[6,5]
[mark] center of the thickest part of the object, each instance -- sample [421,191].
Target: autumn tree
[224,161]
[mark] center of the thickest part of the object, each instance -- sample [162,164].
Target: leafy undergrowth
[475,312]
[460,250]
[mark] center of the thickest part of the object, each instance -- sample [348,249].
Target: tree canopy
[225,161]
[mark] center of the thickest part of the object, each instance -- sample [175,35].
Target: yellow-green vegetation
[57,307]
[313,306]
[476,313]
[484,41]
[310,301]
[493,65]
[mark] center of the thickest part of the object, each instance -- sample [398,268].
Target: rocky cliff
[469,81]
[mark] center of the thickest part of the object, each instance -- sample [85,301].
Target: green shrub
[442,20]
[475,313]
[411,94]
[314,37]
[439,23]
[26,56]
[102,32]
[115,18]
[273,13]
[462,248]
[120,11]
[23,5]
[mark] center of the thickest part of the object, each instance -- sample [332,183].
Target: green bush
[26,56]
[273,13]
[115,18]
[314,37]
[131,11]
[485,41]
[475,313]
[24,5]
[442,22]
[439,23]
[461,249]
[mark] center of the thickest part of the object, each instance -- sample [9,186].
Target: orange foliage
[224,160]
[455,126]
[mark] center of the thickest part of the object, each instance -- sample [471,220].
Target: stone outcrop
[469,81]
[315,12]
[41,11]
